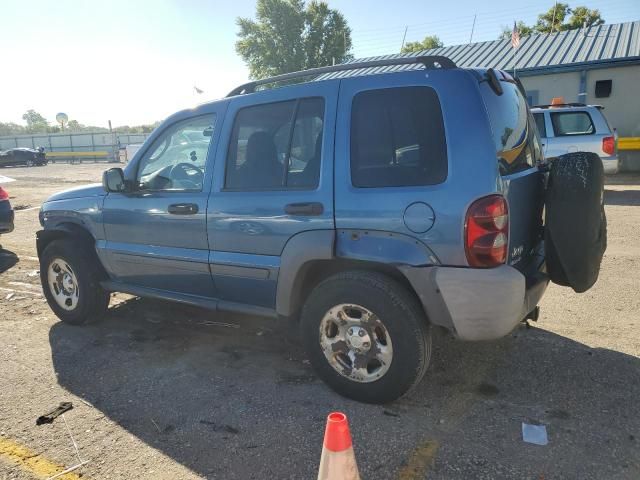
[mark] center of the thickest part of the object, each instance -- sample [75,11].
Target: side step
[202,302]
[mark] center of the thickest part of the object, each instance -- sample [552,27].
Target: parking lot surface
[163,391]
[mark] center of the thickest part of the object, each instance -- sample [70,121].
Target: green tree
[75,126]
[583,16]
[429,42]
[36,123]
[10,128]
[289,35]
[523,30]
[552,19]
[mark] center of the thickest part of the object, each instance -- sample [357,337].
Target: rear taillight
[3,194]
[609,145]
[486,232]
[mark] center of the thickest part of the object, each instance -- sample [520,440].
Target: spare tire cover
[575,222]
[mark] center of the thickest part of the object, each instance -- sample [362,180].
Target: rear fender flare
[383,247]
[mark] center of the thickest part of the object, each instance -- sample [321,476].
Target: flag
[515,36]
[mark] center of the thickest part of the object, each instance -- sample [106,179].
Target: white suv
[575,127]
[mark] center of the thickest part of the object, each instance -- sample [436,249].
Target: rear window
[397,138]
[572,123]
[514,135]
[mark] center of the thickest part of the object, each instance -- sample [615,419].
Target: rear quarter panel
[472,169]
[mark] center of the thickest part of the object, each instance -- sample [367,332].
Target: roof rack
[561,105]
[430,61]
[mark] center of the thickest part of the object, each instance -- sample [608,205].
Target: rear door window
[517,145]
[276,146]
[572,123]
[397,138]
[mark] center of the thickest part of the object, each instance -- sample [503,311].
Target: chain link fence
[65,147]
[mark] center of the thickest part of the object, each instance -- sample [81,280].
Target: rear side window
[542,129]
[397,138]
[514,136]
[276,146]
[572,123]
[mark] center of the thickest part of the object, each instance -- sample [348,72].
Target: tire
[575,221]
[77,283]
[404,328]
[29,163]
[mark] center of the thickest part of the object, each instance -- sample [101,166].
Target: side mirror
[113,180]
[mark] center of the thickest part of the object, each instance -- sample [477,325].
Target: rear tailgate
[519,153]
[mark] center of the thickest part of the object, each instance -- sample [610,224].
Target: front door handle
[183,209]
[306,208]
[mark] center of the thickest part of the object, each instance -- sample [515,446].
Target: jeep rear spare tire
[366,336]
[575,222]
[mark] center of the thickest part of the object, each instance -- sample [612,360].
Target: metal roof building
[602,45]
[594,65]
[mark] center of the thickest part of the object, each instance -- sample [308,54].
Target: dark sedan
[6,212]
[23,156]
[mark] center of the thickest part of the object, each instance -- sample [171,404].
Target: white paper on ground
[536,434]
[4,179]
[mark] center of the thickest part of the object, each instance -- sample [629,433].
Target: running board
[202,302]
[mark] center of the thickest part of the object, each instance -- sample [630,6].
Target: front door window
[177,159]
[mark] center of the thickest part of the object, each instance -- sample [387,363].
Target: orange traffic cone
[337,461]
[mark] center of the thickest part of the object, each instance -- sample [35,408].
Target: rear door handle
[183,209]
[306,208]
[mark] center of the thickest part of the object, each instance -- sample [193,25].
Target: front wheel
[366,336]
[70,280]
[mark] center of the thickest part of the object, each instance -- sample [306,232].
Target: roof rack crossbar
[430,61]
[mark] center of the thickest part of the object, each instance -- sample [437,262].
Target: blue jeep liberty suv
[371,202]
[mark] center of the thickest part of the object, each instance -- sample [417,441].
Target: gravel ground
[160,392]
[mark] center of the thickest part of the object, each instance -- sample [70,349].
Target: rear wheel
[70,280]
[30,163]
[366,336]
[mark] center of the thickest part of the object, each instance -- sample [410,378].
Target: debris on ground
[21,207]
[210,323]
[220,428]
[536,434]
[51,416]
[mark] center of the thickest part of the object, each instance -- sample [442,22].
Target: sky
[137,61]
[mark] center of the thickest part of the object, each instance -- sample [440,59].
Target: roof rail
[430,61]
[561,105]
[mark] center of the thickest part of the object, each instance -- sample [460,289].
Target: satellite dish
[62,118]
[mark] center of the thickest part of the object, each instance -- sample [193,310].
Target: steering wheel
[180,172]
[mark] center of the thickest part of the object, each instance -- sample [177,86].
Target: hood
[93,190]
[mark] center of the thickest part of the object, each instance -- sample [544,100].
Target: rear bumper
[477,304]
[610,164]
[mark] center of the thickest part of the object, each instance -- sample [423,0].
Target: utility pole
[473,27]
[553,20]
[404,37]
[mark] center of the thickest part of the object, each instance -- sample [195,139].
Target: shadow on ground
[242,402]
[8,260]
[622,197]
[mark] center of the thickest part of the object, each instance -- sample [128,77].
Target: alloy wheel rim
[356,343]
[63,284]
